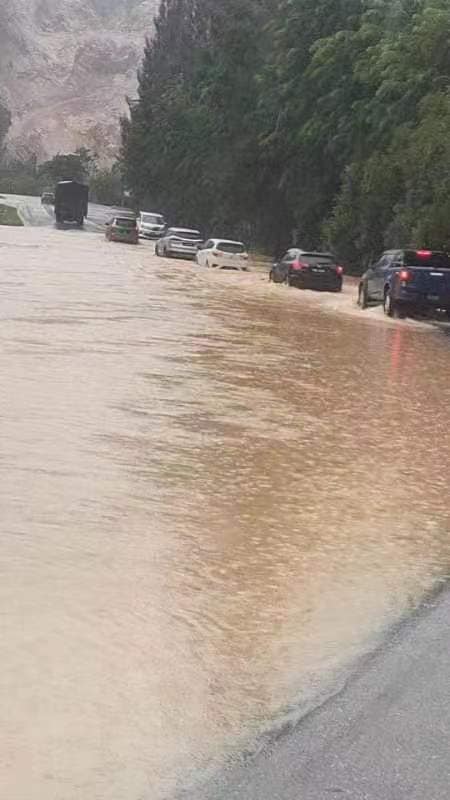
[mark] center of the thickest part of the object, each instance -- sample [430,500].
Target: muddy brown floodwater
[215,494]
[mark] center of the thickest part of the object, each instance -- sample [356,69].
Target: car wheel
[390,306]
[363,298]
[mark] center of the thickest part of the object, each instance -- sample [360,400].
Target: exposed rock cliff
[66,67]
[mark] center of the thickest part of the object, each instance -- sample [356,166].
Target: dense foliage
[5,122]
[325,121]
[27,177]
[105,186]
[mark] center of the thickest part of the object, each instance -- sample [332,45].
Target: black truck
[71,201]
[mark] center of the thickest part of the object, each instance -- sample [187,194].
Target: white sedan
[222,253]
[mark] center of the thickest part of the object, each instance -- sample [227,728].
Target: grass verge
[9,216]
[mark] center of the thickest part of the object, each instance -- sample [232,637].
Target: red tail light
[340,270]
[299,265]
[404,275]
[424,253]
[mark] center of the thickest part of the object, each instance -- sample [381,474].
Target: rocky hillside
[66,67]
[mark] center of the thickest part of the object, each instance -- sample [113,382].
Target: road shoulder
[385,735]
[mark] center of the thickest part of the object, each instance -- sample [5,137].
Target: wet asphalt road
[382,734]
[35,214]
[218,496]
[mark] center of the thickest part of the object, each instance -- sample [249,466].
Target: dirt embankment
[9,216]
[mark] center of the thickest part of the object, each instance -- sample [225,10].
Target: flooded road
[35,214]
[216,493]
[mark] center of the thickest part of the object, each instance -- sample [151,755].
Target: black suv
[308,270]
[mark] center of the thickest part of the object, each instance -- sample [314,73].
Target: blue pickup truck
[407,281]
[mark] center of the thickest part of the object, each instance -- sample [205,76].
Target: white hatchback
[151,226]
[222,253]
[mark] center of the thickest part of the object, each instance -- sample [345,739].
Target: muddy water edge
[215,493]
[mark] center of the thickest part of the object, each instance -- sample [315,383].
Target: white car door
[200,257]
[223,260]
[203,253]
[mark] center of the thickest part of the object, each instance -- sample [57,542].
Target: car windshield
[124,222]
[231,247]
[185,234]
[426,258]
[153,219]
[316,258]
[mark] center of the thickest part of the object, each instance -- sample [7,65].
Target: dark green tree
[76,165]
[189,146]
[5,123]
[106,186]
[326,120]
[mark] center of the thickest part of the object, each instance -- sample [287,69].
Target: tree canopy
[5,122]
[26,176]
[325,117]
[77,166]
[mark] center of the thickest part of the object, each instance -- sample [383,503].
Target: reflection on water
[213,495]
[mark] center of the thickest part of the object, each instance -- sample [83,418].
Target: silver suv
[179,242]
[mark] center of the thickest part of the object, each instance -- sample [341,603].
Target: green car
[122,229]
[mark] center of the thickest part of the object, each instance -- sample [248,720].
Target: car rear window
[153,219]
[231,247]
[186,234]
[427,258]
[316,258]
[124,222]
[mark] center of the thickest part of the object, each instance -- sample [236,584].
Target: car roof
[314,253]
[152,213]
[185,230]
[418,250]
[226,241]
